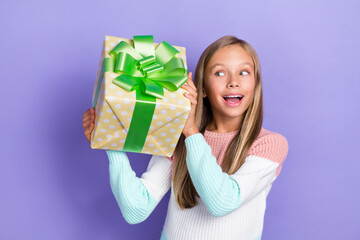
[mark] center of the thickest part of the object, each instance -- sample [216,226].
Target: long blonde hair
[184,190]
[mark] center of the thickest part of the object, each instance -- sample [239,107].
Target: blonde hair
[184,190]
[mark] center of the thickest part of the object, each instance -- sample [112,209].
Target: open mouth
[233,99]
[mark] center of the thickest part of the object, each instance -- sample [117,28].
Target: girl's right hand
[190,127]
[88,122]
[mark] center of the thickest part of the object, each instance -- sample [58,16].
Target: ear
[204,93]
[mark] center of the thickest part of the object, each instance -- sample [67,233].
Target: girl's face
[230,71]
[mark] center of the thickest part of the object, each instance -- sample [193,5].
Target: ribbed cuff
[196,139]
[196,145]
[116,157]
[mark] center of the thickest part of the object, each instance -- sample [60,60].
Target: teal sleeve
[219,191]
[132,196]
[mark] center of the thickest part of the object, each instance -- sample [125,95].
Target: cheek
[250,90]
[249,99]
[212,86]
[249,86]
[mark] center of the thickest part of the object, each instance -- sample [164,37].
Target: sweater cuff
[196,146]
[196,139]
[116,157]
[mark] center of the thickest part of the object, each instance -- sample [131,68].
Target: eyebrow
[219,64]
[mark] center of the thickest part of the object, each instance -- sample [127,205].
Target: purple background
[54,186]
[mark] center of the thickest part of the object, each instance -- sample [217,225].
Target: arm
[223,193]
[138,197]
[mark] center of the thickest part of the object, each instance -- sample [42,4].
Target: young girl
[225,162]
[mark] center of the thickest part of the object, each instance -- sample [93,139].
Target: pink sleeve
[273,146]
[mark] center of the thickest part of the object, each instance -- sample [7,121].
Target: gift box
[138,101]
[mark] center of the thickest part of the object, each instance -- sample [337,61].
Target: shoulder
[270,145]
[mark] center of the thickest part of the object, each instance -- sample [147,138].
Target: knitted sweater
[229,207]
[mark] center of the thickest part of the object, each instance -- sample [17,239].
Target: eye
[219,73]
[245,73]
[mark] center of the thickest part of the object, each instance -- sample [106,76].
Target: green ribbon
[147,71]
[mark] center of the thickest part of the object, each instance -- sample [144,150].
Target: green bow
[152,69]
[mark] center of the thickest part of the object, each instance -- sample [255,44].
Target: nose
[233,82]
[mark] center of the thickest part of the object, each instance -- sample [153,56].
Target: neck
[224,125]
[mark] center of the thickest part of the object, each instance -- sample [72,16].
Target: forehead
[232,55]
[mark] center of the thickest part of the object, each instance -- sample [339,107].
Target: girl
[225,162]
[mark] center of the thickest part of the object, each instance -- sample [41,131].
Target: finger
[190,75]
[90,115]
[192,99]
[87,133]
[87,115]
[87,112]
[190,89]
[191,83]
[86,118]
[86,124]
[89,129]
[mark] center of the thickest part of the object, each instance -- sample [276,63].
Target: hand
[190,125]
[88,122]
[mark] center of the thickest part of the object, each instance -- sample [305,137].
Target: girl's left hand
[190,127]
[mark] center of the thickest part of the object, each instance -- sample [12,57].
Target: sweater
[229,207]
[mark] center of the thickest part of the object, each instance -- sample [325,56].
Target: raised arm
[223,193]
[138,197]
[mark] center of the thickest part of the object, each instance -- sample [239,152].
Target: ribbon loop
[126,48]
[152,69]
[144,45]
[145,61]
[125,64]
[152,88]
[165,52]
[127,82]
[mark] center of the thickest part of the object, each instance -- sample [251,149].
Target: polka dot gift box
[139,104]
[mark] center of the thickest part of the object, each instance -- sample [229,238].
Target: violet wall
[54,186]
